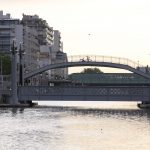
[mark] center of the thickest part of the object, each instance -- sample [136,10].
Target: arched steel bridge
[86,60]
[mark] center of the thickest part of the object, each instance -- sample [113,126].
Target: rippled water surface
[74,128]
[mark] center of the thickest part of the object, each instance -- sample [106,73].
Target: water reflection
[139,113]
[70,128]
[16,110]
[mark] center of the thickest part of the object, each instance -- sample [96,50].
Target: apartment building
[45,40]
[50,44]
[61,72]
[42,44]
[58,56]
[10,29]
[58,44]
[45,32]
[31,48]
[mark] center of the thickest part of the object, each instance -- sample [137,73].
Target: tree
[91,70]
[5,64]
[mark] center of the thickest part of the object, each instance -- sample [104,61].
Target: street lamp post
[14,99]
[21,53]
[2,72]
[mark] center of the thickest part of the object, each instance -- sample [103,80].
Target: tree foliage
[5,64]
[92,70]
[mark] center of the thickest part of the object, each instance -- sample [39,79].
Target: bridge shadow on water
[105,112]
[82,111]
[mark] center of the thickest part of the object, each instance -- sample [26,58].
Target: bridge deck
[81,93]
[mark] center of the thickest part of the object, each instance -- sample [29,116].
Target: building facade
[58,44]
[50,45]
[45,32]
[10,29]
[61,72]
[31,48]
[45,40]
[42,44]
[58,56]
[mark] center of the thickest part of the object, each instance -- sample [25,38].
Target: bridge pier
[14,93]
[144,105]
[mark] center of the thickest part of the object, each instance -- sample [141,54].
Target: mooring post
[14,98]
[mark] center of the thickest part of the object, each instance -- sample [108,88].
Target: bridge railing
[109,59]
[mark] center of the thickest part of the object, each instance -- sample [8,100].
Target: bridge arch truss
[101,61]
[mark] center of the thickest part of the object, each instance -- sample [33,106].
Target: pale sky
[116,27]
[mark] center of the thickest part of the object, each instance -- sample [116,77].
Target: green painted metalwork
[108,78]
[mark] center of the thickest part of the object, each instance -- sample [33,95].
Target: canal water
[75,126]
